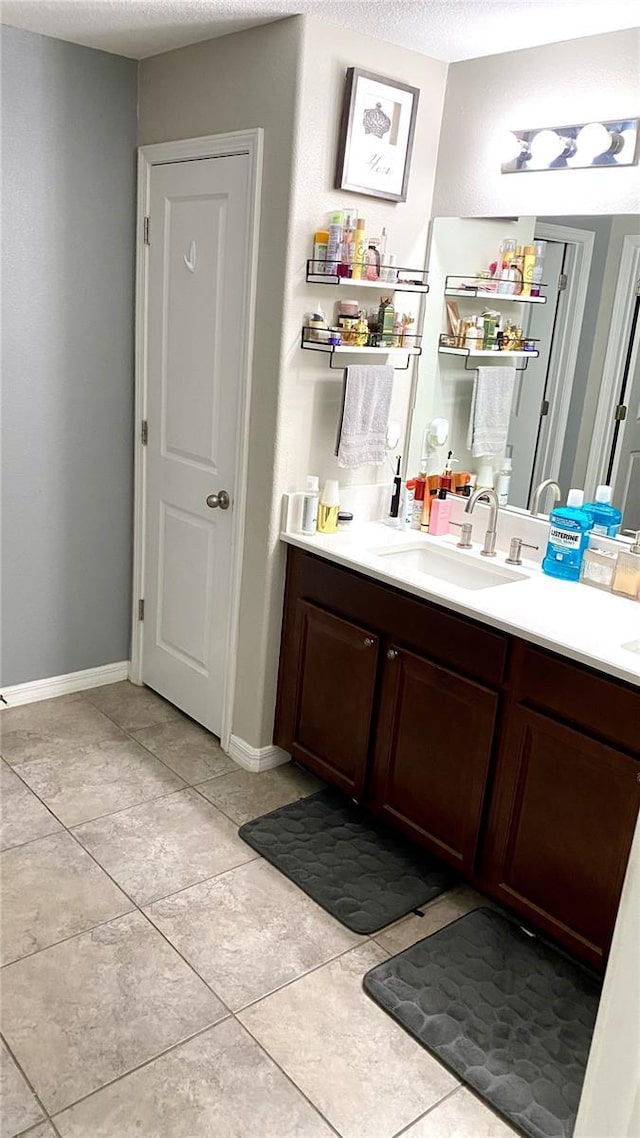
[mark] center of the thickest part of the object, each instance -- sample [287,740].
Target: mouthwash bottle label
[564,539]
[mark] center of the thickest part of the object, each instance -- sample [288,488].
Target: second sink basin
[446,565]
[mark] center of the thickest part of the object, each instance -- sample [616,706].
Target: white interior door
[526,423]
[626,489]
[195,350]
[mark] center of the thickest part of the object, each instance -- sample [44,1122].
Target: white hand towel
[365,414]
[490,410]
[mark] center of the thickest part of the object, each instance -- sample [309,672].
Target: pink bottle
[440,514]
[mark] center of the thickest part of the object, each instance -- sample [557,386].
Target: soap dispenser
[626,582]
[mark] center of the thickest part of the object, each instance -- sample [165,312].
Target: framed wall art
[376,135]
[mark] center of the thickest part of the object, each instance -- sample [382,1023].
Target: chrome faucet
[536,497]
[489,547]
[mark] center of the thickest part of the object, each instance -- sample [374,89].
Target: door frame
[617,345]
[562,363]
[246,142]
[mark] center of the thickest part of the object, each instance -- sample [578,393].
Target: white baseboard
[256,758]
[63,685]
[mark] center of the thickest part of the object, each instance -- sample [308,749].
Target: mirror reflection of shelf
[406,280]
[459,286]
[489,353]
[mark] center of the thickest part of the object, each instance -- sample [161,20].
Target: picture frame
[376,135]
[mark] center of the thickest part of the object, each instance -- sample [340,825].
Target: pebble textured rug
[357,869]
[509,1014]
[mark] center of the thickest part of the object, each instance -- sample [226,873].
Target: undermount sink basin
[447,565]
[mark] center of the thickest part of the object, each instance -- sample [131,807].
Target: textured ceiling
[443,29]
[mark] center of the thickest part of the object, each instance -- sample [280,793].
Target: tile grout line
[47,1116]
[434,1106]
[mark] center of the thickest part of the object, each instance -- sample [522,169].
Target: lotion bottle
[310,505]
[329,507]
[440,515]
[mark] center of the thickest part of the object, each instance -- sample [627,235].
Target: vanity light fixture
[606,143]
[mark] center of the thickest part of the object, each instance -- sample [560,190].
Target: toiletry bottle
[372,261]
[538,269]
[569,531]
[329,507]
[388,272]
[360,245]
[626,582]
[408,500]
[386,317]
[440,515]
[430,491]
[445,481]
[485,476]
[598,568]
[528,267]
[418,496]
[310,505]
[606,518]
[503,478]
[320,246]
[335,241]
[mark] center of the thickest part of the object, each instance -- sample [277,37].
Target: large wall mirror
[575,409]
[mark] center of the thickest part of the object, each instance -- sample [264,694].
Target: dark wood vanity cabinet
[431,754]
[517,767]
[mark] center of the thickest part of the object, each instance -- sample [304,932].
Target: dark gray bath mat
[357,869]
[508,1013]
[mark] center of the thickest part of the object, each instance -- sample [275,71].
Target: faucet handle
[465,534]
[515,550]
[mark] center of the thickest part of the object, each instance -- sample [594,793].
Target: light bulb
[511,147]
[545,146]
[592,140]
[627,150]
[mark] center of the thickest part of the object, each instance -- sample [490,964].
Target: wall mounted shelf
[373,354]
[479,291]
[417,281]
[497,357]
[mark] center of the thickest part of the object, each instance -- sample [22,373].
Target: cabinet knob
[368,642]
[392,653]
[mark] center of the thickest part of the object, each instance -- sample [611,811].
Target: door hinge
[544,408]
[140,610]
[562,282]
[621,413]
[638,287]
[145,231]
[144,432]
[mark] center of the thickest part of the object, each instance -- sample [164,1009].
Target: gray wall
[68,212]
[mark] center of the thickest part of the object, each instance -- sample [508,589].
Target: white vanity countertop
[577,621]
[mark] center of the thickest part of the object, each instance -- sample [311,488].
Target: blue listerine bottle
[606,518]
[568,538]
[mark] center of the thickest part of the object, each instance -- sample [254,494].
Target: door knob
[221,500]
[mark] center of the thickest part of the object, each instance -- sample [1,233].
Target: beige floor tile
[461,1116]
[243,795]
[439,913]
[131,706]
[52,889]
[18,1105]
[192,752]
[39,729]
[220,1085]
[362,1071]
[164,845]
[249,931]
[81,1013]
[82,783]
[22,815]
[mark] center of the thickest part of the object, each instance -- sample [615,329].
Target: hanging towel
[490,410]
[366,398]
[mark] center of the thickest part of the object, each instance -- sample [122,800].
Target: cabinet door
[560,831]
[432,755]
[336,675]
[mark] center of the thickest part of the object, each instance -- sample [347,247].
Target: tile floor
[159,979]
